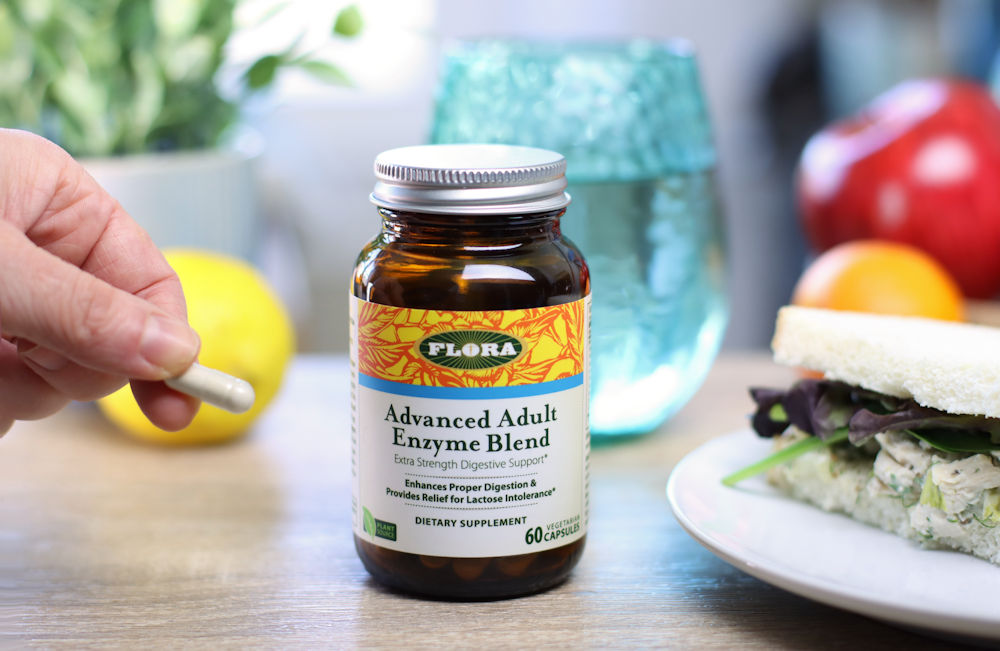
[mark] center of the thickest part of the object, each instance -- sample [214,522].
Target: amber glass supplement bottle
[469,358]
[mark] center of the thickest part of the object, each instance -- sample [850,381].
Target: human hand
[86,299]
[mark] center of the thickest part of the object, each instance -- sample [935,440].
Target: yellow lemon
[245,331]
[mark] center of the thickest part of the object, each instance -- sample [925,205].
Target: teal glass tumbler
[632,122]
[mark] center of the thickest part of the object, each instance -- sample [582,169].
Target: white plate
[827,557]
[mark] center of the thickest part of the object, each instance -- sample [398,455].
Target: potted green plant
[131,87]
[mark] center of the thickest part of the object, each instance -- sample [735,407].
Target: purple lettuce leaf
[865,424]
[818,407]
[823,408]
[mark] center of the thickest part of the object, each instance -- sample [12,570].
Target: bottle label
[470,434]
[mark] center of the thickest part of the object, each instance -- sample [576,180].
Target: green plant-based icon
[470,349]
[377,528]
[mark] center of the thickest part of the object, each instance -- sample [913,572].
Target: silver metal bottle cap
[470,179]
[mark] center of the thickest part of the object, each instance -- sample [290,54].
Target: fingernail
[168,343]
[49,360]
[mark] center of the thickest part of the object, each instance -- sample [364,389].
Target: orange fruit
[881,277]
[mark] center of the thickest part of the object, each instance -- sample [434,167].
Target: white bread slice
[951,366]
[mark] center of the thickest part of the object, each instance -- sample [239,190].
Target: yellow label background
[553,339]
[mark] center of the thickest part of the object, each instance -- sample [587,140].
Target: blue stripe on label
[469,393]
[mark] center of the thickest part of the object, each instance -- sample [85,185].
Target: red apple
[921,165]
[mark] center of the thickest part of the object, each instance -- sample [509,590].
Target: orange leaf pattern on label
[552,337]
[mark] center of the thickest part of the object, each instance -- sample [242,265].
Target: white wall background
[320,142]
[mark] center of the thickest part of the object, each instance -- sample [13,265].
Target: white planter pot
[204,199]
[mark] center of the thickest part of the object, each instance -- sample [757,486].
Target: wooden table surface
[109,542]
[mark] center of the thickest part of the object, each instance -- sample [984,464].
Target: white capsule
[214,387]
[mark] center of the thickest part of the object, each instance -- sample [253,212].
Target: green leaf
[955,440]
[348,22]
[135,23]
[190,60]
[262,72]
[8,32]
[270,13]
[177,19]
[147,100]
[785,455]
[369,521]
[324,71]
[85,102]
[37,12]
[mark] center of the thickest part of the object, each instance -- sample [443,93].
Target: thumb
[60,307]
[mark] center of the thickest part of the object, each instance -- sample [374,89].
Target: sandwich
[902,431]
